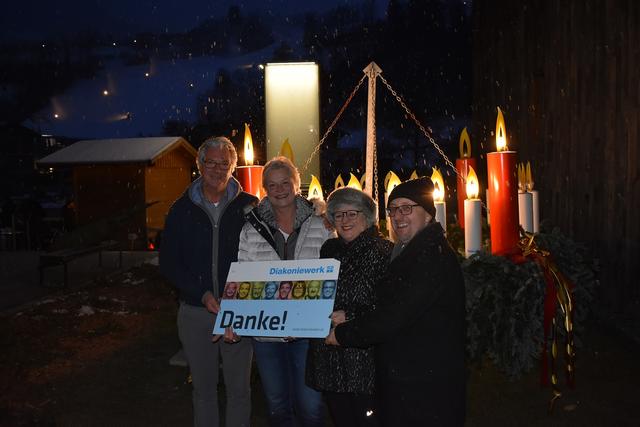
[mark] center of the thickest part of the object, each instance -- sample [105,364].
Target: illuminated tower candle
[250,175]
[503,192]
[462,165]
[472,210]
[391,181]
[315,189]
[438,198]
[525,201]
[535,201]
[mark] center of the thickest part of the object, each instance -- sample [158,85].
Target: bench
[64,256]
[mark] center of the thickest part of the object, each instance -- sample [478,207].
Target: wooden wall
[567,76]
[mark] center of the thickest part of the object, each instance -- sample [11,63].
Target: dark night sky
[40,19]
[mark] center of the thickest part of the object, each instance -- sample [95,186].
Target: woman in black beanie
[418,326]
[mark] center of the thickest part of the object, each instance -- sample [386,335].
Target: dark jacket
[362,263]
[419,328]
[190,240]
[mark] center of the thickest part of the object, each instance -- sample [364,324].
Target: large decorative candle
[438,198]
[250,175]
[472,213]
[525,202]
[391,181]
[354,182]
[535,201]
[462,165]
[315,189]
[503,192]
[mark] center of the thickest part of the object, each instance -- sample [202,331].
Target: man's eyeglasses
[342,215]
[210,164]
[403,209]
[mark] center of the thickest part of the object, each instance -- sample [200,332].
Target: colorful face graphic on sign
[299,290]
[230,290]
[313,289]
[244,290]
[256,290]
[285,289]
[328,289]
[270,289]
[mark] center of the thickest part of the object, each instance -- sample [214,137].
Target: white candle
[525,211]
[472,227]
[536,210]
[441,214]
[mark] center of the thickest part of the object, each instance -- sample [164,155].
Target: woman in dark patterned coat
[346,376]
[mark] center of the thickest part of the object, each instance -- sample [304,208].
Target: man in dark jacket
[418,325]
[200,241]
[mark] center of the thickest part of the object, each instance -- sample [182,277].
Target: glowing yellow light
[465,144]
[438,184]
[315,190]
[414,175]
[473,187]
[354,182]
[522,177]
[529,177]
[248,146]
[363,180]
[501,133]
[339,182]
[287,151]
[391,181]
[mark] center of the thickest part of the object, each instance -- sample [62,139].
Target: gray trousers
[195,326]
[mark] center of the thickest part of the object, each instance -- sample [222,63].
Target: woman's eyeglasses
[403,209]
[342,215]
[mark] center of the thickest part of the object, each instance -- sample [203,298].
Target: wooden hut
[129,184]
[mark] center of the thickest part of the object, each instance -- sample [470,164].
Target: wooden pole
[372,72]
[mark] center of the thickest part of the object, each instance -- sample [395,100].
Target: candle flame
[391,182]
[339,182]
[465,144]
[354,183]
[522,178]
[438,184]
[363,181]
[414,175]
[473,187]
[248,146]
[287,151]
[501,133]
[315,190]
[529,178]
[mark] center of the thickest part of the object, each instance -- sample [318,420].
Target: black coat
[362,263]
[419,329]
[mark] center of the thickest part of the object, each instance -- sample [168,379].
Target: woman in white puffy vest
[284,226]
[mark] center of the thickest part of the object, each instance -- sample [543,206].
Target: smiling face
[243,291]
[270,290]
[230,290]
[313,289]
[280,188]
[299,289]
[407,226]
[256,290]
[328,289]
[216,169]
[349,228]
[285,288]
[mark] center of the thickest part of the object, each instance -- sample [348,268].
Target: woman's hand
[211,303]
[229,336]
[331,338]
[338,317]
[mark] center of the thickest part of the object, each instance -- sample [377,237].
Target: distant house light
[105,92]
[146,74]
[56,115]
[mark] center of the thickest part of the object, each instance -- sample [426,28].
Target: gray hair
[282,162]
[217,142]
[350,196]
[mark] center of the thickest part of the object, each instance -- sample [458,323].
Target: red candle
[250,176]
[503,193]
[462,165]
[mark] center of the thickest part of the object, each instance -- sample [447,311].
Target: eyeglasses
[342,215]
[210,164]
[403,209]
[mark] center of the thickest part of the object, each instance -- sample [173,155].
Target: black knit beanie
[419,190]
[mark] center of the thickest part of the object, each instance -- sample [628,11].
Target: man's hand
[211,303]
[331,338]
[338,317]
[230,337]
